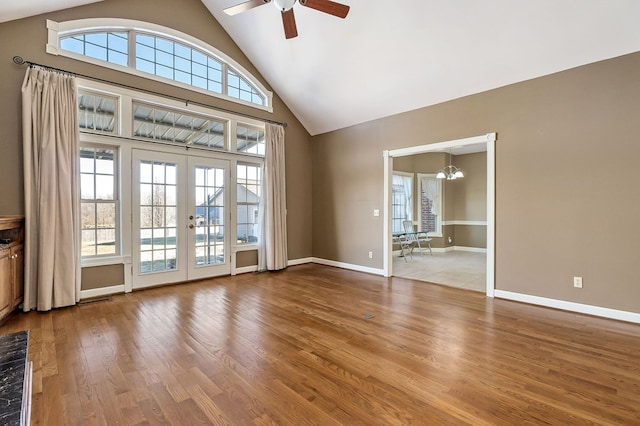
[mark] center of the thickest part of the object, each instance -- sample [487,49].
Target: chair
[406,246]
[420,239]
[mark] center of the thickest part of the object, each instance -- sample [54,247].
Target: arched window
[158,53]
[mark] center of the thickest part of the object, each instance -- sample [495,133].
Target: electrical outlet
[376,212]
[577,282]
[370,255]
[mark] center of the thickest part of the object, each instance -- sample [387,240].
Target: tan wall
[27,38]
[565,158]
[470,236]
[102,276]
[246,258]
[470,193]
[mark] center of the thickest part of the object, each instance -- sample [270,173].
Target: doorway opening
[487,142]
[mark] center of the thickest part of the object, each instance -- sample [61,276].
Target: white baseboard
[569,306]
[301,261]
[104,291]
[470,249]
[246,269]
[465,222]
[351,266]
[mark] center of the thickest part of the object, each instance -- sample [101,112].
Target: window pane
[104,187]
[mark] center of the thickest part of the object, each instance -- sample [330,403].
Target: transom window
[163,124]
[168,55]
[97,112]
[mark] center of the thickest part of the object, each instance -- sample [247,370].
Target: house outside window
[249,184]
[430,204]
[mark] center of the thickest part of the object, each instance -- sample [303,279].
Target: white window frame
[418,201]
[58,30]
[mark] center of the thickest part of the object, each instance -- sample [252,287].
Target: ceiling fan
[286,7]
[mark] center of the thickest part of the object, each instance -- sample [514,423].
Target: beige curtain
[51,144]
[272,251]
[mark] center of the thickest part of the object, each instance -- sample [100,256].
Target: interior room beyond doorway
[462,236]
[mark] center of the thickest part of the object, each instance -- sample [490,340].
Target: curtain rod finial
[18,60]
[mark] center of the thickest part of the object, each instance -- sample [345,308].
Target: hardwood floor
[295,348]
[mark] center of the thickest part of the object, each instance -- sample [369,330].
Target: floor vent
[94,300]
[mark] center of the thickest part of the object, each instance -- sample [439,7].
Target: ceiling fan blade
[327,6]
[289,23]
[243,7]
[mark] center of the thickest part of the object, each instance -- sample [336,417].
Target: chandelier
[450,172]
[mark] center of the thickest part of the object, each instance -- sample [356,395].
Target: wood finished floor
[293,348]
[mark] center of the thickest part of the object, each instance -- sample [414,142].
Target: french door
[180,223]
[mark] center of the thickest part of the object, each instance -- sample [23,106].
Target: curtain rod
[19,61]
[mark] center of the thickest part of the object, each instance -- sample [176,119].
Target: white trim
[103,291]
[105,261]
[245,269]
[465,222]
[300,261]
[569,306]
[57,29]
[350,266]
[441,146]
[491,216]
[387,247]
[470,249]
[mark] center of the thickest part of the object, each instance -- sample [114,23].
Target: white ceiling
[388,57]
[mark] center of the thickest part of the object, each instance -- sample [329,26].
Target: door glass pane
[209,216]
[157,217]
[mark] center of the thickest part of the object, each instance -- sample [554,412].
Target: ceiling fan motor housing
[284,5]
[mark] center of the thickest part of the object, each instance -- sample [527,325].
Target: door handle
[191,226]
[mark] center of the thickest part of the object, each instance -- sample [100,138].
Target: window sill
[246,247]
[105,261]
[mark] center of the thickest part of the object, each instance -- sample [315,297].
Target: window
[175,61]
[106,46]
[164,124]
[159,53]
[97,112]
[249,183]
[430,208]
[158,216]
[99,201]
[401,205]
[250,140]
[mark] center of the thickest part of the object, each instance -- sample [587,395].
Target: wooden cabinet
[11,264]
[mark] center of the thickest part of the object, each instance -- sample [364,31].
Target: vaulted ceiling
[389,57]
